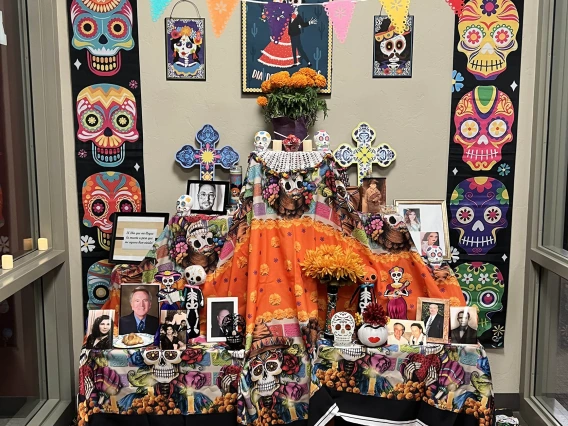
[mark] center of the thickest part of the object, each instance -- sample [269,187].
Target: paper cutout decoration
[340,13]
[365,155]
[220,12]
[397,11]
[157,7]
[207,156]
[456,5]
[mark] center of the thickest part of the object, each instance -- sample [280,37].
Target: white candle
[7,261]
[28,244]
[42,244]
[308,145]
[276,145]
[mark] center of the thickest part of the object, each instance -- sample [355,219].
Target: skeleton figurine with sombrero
[168,297]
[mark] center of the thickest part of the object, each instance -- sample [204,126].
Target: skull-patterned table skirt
[436,384]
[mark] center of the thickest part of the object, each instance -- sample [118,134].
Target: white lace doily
[280,161]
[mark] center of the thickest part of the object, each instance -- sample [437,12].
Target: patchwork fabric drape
[481,165]
[107,111]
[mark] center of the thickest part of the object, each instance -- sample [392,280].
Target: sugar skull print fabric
[481,165]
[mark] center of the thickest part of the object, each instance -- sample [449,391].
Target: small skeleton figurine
[435,256]
[291,144]
[168,297]
[321,139]
[366,289]
[195,276]
[233,328]
[184,205]
[262,140]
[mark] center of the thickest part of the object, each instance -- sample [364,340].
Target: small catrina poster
[185,47]
[392,51]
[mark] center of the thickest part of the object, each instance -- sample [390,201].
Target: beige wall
[413,115]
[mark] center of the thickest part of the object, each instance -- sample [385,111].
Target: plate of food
[133,340]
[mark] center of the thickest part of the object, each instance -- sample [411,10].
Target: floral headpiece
[396,269]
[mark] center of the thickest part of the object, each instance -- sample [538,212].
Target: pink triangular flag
[340,13]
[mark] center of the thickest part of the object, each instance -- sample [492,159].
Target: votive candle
[42,244]
[276,145]
[307,145]
[7,261]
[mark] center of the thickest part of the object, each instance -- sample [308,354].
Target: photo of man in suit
[139,321]
[464,333]
[435,322]
[297,24]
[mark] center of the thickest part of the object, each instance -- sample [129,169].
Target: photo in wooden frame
[435,313]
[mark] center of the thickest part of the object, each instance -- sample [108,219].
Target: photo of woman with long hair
[429,239]
[100,336]
[412,219]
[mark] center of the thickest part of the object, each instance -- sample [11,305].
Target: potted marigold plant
[291,101]
[336,267]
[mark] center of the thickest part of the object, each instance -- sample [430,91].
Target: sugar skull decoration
[106,193]
[343,327]
[291,143]
[395,51]
[483,287]
[373,331]
[435,256]
[233,328]
[488,31]
[195,276]
[99,284]
[107,117]
[104,28]
[184,205]
[262,141]
[185,43]
[321,139]
[164,364]
[479,209]
[483,119]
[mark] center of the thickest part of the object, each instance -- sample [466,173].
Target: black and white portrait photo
[217,309]
[436,316]
[208,197]
[464,325]
[100,329]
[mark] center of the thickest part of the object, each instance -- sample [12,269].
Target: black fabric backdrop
[128,77]
[492,337]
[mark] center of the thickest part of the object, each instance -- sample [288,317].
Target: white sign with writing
[138,239]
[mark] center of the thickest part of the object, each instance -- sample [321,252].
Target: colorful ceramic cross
[207,156]
[365,155]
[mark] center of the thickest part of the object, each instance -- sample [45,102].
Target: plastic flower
[262,101]
[375,315]
[333,263]
[457,79]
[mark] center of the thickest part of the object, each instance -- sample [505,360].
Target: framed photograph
[210,197]
[185,49]
[427,222]
[134,235]
[173,330]
[406,332]
[392,51]
[281,36]
[100,326]
[217,309]
[435,313]
[139,310]
[463,325]
[373,194]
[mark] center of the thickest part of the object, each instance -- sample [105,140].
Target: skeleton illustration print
[392,50]
[396,291]
[168,297]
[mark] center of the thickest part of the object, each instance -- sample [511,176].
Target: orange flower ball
[265,86]
[262,101]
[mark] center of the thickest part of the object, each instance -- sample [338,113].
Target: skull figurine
[366,288]
[483,120]
[343,326]
[195,275]
[104,28]
[488,31]
[164,363]
[479,208]
[106,193]
[321,139]
[233,328]
[99,284]
[262,140]
[184,205]
[435,256]
[107,117]
[265,370]
[483,287]
[291,143]
[293,185]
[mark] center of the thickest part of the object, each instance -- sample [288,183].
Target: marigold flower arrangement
[294,96]
[331,263]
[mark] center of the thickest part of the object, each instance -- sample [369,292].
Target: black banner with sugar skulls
[105,79]
[481,165]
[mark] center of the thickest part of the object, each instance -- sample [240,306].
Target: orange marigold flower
[265,86]
[262,101]
[299,81]
[320,81]
[280,79]
[308,72]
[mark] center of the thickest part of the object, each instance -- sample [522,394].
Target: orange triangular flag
[220,12]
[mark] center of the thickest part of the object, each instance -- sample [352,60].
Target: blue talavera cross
[207,156]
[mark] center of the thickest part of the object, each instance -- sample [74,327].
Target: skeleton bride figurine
[195,276]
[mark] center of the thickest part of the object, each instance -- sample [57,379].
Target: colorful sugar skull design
[184,205]
[321,139]
[164,363]
[185,47]
[479,209]
[342,326]
[396,292]
[392,50]
[233,328]
[435,256]
[1,208]
[106,193]
[107,117]
[488,33]
[484,119]
[262,141]
[483,287]
[104,28]
[99,284]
